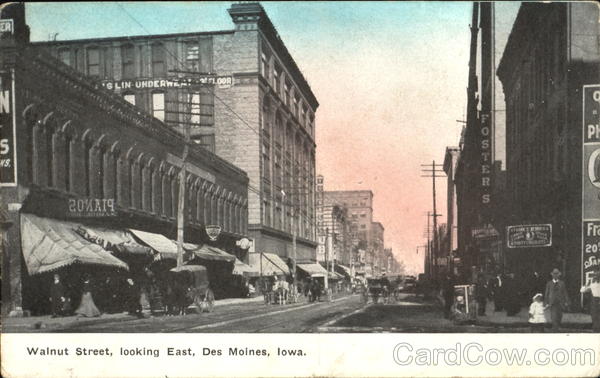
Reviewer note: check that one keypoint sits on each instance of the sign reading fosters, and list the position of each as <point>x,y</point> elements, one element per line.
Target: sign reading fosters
<point>220,81</point>
<point>530,235</point>
<point>590,240</point>
<point>486,159</point>
<point>8,158</point>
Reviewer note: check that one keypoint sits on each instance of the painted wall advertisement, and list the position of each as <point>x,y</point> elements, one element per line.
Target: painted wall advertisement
<point>591,182</point>
<point>8,171</point>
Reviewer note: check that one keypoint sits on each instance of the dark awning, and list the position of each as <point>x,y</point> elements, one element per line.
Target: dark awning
<point>208,252</point>
<point>50,244</point>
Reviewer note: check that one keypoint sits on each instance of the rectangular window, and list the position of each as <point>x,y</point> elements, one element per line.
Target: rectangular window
<point>295,106</point>
<point>93,62</point>
<point>286,93</point>
<point>127,54</point>
<point>276,77</point>
<point>158,60</point>
<point>192,56</point>
<point>158,105</point>
<point>206,141</point>
<point>264,66</point>
<point>130,98</point>
<point>64,55</point>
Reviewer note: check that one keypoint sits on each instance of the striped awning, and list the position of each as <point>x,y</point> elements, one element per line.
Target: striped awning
<point>268,264</point>
<point>50,244</point>
<point>208,252</point>
<point>313,270</point>
<point>241,269</point>
<point>160,243</point>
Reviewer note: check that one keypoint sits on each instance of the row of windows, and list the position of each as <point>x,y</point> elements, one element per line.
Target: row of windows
<point>272,71</point>
<point>100,61</point>
<point>79,165</point>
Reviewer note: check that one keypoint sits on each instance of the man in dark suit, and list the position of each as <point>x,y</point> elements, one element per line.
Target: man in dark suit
<point>57,296</point>
<point>556,298</point>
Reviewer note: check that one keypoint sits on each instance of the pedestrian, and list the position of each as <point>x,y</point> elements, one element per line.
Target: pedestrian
<point>448,294</point>
<point>537,313</point>
<point>481,294</point>
<point>510,293</point>
<point>594,288</point>
<point>134,307</point>
<point>496,286</point>
<point>556,298</point>
<point>87,307</point>
<point>57,296</point>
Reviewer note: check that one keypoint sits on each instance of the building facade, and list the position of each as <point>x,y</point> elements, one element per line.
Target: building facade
<point>377,246</point>
<point>543,71</point>
<point>241,95</point>
<point>85,156</point>
<point>359,205</point>
<point>479,238</point>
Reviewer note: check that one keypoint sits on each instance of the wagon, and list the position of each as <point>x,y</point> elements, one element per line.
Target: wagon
<point>191,286</point>
<point>375,289</point>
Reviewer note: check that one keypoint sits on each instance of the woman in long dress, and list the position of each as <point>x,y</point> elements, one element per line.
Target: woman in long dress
<point>87,307</point>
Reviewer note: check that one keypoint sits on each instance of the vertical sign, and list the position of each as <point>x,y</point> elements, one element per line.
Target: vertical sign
<point>591,182</point>
<point>8,169</point>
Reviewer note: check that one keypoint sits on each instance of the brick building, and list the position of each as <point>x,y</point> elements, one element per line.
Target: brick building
<point>260,115</point>
<point>551,54</point>
<point>85,159</point>
<point>377,246</point>
<point>333,221</point>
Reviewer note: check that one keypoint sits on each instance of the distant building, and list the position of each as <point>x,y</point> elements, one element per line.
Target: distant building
<point>377,247</point>
<point>259,115</point>
<point>552,52</point>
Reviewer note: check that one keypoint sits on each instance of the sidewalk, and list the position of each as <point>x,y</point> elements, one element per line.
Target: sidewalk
<point>499,318</point>
<point>46,322</point>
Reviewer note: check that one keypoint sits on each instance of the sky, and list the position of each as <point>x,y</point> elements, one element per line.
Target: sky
<point>390,78</point>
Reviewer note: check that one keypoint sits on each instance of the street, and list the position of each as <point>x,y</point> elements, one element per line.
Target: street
<point>344,314</point>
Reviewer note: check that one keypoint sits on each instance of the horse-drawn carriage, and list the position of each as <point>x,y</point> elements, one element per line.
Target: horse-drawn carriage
<point>189,284</point>
<point>376,288</point>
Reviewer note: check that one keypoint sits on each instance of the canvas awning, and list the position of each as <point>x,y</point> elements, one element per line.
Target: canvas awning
<point>335,276</point>
<point>345,270</point>
<point>208,252</point>
<point>161,244</point>
<point>241,269</point>
<point>114,240</point>
<point>268,264</point>
<point>50,244</point>
<point>313,270</point>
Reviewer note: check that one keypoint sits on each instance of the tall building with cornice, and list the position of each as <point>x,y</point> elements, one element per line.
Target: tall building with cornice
<point>255,110</point>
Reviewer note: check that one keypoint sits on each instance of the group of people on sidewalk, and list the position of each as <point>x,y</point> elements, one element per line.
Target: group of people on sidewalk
<point>547,300</point>
<point>110,298</point>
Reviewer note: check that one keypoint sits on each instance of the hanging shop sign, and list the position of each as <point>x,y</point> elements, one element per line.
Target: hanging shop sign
<point>530,235</point>
<point>7,26</point>
<point>485,232</point>
<point>590,196</point>
<point>213,232</point>
<point>486,159</point>
<point>8,153</point>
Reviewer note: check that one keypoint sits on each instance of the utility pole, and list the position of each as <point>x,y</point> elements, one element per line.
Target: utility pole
<point>194,82</point>
<point>433,170</point>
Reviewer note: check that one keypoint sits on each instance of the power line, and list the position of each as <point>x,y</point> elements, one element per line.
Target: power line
<point>183,65</point>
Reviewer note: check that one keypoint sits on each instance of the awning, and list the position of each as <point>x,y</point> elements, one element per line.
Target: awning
<point>161,244</point>
<point>345,270</point>
<point>208,252</point>
<point>50,244</point>
<point>271,264</point>
<point>313,270</point>
<point>242,269</point>
<point>335,276</point>
<point>114,240</point>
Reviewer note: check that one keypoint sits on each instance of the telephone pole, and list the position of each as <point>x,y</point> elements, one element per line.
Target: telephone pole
<point>433,170</point>
<point>194,80</point>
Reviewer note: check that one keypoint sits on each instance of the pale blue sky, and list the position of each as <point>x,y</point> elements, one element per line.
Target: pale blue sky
<point>390,76</point>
